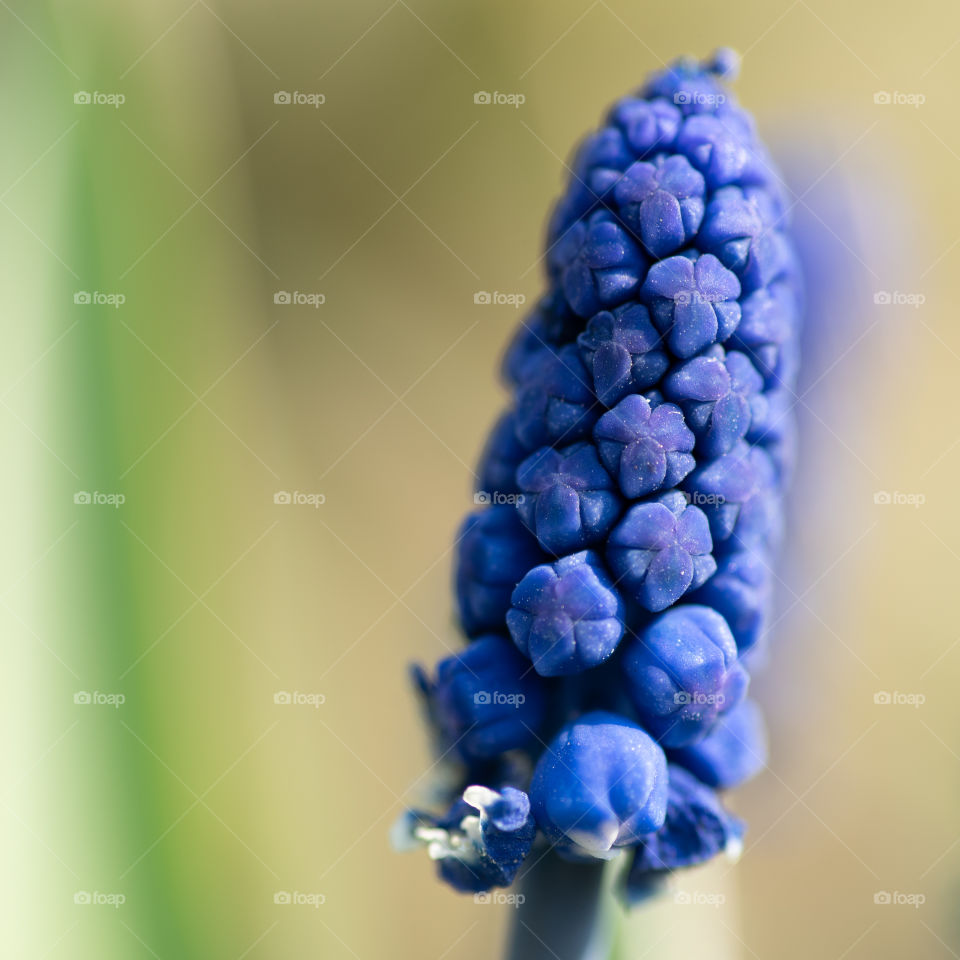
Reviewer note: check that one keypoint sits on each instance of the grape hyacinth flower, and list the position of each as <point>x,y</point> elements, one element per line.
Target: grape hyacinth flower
<point>609,597</point>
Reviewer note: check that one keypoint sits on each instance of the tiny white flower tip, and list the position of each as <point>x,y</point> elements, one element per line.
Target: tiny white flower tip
<point>599,842</point>
<point>733,849</point>
<point>480,797</point>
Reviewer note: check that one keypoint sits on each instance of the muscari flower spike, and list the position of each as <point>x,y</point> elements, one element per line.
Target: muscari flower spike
<point>598,708</point>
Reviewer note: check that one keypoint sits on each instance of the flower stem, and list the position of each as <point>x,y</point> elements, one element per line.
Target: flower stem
<point>562,915</point>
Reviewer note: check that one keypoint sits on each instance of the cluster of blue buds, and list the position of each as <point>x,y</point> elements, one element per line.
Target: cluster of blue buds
<point>615,587</point>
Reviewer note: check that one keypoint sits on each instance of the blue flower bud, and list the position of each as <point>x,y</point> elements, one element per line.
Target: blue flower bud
<point>557,404</point>
<point>693,301</point>
<point>767,328</point>
<point>682,673</point>
<point>480,843</point>
<point>721,148</point>
<point>599,263</point>
<point>737,494</point>
<point>503,453</point>
<point>598,165</point>
<point>662,202</point>
<point>566,616</point>
<point>649,126</point>
<point>718,393</point>
<point>494,551</point>
<point>697,828</point>
<point>568,498</point>
<point>646,449</point>
<point>741,227</point>
<point>600,785</point>
<point>660,550</point>
<point>733,752</point>
<point>740,592</point>
<point>485,700</point>
<point>623,352</point>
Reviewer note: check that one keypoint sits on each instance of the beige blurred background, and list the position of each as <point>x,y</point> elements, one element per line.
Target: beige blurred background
<point>397,199</point>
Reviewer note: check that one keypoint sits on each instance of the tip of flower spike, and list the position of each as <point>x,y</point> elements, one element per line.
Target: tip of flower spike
<point>724,62</point>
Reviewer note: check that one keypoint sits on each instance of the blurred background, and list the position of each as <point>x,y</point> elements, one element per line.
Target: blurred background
<point>243,386</point>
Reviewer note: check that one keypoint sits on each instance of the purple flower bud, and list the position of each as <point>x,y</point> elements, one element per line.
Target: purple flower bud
<point>601,784</point>
<point>649,126</point>
<point>599,264</point>
<point>660,550</point>
<point>645,449</point>
<point>718,393</point>
<point>733,752</point>
<point>566,616</point>
<point>494,551</point>
<point>682,673</point>
<point>480,843</point>
<point>485,700</point>
<point>740,592</point>
<point>557,405</point>
<point>693,301</point>
<point>503,453</point>
<point>568,498</point>
<point>662,202</point>
<point>697,828</point>
<point>623,351</point>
